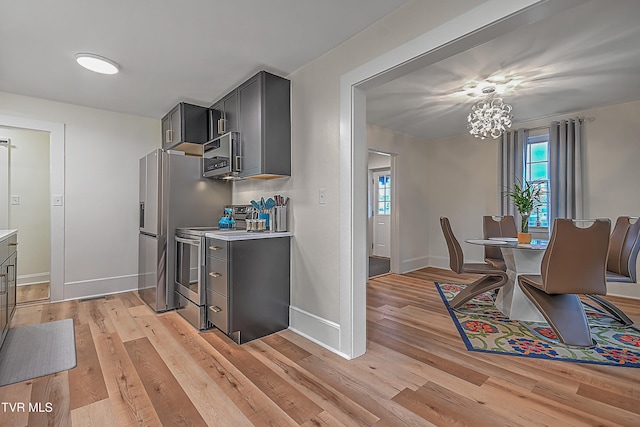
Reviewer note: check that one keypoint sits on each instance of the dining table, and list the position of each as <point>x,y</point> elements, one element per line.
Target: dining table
<point>520,258</point>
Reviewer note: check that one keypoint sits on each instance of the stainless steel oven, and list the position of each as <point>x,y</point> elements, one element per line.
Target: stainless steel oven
<point>189,275</point>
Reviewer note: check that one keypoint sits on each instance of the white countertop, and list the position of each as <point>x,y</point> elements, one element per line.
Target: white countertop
<point>6,233</point>
<point>232,235</point>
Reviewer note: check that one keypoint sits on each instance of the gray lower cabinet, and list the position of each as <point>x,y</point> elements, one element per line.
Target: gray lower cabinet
<point>8,282</point>
<point>248,286</point>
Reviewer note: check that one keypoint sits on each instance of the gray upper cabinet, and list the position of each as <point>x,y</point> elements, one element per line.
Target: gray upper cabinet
<point>224,116</point>
<point>185,123</point>
<point>264,123</point>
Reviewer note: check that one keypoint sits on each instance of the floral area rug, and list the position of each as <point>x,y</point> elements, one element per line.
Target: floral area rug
<point>484,328</point>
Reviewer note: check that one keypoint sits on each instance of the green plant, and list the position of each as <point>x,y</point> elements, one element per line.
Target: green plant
<point>526,197</point>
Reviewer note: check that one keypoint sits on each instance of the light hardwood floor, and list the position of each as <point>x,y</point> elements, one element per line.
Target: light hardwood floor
<point>139,368</point>
<point>27,294</point>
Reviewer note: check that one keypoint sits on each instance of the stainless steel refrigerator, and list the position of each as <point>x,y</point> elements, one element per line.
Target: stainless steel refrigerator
<point>173,194</point>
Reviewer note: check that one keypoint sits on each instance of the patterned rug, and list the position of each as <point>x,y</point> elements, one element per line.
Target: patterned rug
<point>484,328</point>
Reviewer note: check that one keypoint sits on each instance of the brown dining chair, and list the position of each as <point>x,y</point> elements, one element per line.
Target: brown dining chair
<point>574,263</point>
<point>624,245</point>
<point>497,227</point>
<point>491,279</point>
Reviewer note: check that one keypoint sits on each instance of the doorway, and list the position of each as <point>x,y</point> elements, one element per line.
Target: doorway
<point>56,199</point>
<point>24,203</point>
<point>380,202</point>
<point>483,23</point>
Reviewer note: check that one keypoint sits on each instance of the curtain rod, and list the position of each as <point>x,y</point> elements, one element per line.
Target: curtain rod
<point>581,119</point>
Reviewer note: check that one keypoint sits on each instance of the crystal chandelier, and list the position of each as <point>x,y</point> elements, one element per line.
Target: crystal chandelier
<point>489,117</point>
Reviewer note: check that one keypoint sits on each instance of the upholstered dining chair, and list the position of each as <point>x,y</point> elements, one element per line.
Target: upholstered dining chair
<point>624,245</point>
<point>574,263</point>
<point>493,226</point>
<point>491,279</point>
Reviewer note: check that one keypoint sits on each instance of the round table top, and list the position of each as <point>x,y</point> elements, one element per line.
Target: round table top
<point>536,244</point>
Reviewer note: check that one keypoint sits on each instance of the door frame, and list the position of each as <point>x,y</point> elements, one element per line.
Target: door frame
<point>471,28</point>
<point>56,171</point>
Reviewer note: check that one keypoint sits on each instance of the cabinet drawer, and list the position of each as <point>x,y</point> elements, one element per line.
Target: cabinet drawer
<point>4,250</point>
<point>218,310</point>
<point>217,248</point>
<point>217,275</point>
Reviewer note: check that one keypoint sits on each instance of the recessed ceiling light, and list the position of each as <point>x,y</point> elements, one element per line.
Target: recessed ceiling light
<point>97,63</point>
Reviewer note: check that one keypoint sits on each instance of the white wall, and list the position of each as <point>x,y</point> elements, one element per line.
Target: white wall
<point>102,149</point>
<point>412,184</point>
<point>315,91</point>
<point>29,180</point>
<point>463,180</point>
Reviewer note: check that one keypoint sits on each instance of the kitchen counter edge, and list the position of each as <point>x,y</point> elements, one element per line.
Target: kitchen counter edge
<point>7,233</point>
<point>231,236</point>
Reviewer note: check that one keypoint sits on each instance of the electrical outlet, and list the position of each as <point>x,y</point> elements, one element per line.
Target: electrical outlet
<point>322,199</point>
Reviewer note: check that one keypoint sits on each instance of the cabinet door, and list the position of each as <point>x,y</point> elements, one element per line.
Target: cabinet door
<point>216,113</point>
<point>230,108</point>
<point>12,277</point>
<point>175,117</point>
<point>166,132</point>
<point>4,315</point>
<point>250,126</point>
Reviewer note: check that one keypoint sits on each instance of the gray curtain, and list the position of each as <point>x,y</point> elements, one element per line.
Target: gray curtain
<point>511,165</point>
<point>565,162</point>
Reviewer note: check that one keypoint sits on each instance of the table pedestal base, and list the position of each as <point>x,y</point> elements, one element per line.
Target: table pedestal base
<point>510,300</point>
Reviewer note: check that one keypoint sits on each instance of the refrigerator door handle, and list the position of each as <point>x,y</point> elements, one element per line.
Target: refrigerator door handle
<point>141,214</point>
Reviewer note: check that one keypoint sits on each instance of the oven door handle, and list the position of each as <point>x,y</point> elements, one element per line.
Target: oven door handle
<point>193,242</point>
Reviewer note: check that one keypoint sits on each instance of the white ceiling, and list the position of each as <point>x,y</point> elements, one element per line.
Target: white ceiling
<point>586,57</point>
<point>168,50</point>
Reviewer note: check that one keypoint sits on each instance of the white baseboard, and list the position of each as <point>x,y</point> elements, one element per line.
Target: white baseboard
<point>439,262</point>
<point>99,287</point>
<point>628,290</point>
<point>32,279</point>
<point>314,328</point>
<point>413,264</point>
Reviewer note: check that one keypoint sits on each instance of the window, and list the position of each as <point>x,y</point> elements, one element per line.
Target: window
<point>537,170</point>
<point>384,194</point>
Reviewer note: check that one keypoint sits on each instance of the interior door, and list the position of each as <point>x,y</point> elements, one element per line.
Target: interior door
<point>382,213</point>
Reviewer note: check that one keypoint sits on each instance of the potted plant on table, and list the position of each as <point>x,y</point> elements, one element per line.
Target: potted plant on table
<point>526,197</point>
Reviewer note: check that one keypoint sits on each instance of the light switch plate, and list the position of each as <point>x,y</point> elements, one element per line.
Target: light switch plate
<point>322,199</point>
<point>15,200</point>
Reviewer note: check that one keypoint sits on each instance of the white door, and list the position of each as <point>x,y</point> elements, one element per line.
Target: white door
<point>382,213</point>
<point>4,183</point>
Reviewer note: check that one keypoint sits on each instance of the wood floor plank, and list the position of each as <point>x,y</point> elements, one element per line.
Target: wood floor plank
<point>248,398</point>
<point>10,397</point>
<point>129,402</point>
<point>617,400</point>
<point>86,383</point>
<point>187,372</point>
<point>190,376</point>
<point>339,406</point>
<point>339,377</point>
<point>51,395</point>
<point>123,321</point>
<point>169,399</point>
<point>416,372</point>
<point>60,311</point>
<point>129,299</point>
<point>299,407</point>
<point>27,315</point>
<point>95,414</point>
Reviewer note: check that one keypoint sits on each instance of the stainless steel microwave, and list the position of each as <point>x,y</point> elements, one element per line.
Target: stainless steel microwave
<point>222,157</point>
